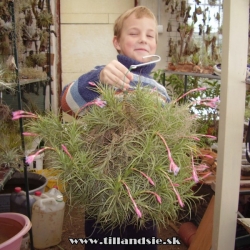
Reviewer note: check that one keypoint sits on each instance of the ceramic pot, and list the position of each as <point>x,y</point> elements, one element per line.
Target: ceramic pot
<point>187,232</point>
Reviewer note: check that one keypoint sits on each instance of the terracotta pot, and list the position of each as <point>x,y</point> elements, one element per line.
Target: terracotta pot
<point>187,232</point>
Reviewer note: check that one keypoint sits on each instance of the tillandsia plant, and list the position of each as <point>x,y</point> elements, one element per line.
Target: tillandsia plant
<point>129,158</point>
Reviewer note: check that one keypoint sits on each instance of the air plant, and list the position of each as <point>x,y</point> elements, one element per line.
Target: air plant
<point>127,159</point>
<point>44,19</point>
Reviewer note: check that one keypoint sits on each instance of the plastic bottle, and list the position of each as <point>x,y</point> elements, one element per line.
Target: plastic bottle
<point>53,192</point>
<point>47,221</point>
<point>18,201</point>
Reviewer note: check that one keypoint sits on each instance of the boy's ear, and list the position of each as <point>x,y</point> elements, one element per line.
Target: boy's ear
<point>116,43</point>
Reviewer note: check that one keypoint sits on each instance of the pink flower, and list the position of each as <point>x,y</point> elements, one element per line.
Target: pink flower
<point>92,84</point>
<point>172,166</point>
<point>31,158</point>
<point>137,210</point>
<point>176,192</point>
<point>192,137</point>
<point>206,175</point>
<point>29,134</point>
<point>201,167</point>
<point>208,156</point>
<point>158,198</point>
<point>146,176</point>
<point>190,91</point>
<point>22,114</point>
<point>66,151</point>
<point>209,102</point>
<point>195,177</point>
<point>210,137</point>
<point>100,103</point>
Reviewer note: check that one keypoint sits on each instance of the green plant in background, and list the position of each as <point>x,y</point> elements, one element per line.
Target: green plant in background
<point>10,147</point>
<point>127,160</point>
<point>207,117</point>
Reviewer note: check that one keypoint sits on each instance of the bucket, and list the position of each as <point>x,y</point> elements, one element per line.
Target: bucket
<point>13,226</point>
<point>47,221</point>
<point>36,183</point>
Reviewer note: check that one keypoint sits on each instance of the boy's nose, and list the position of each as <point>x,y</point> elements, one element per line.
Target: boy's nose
<point>143,38</point>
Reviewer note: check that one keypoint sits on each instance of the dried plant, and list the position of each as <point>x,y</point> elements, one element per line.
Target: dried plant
<point>32,73</point>
<point>44,19</point>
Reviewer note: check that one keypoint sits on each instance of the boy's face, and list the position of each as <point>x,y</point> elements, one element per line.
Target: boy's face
<point>138,38</point>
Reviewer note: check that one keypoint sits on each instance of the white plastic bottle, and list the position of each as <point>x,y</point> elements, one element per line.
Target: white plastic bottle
<point>47,221</point>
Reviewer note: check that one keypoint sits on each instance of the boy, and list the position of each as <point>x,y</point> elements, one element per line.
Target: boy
<point>135,36</point>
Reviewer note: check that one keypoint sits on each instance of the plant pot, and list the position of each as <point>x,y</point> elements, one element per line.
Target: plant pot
<point>36,182</point>
<point>13,226</point>
<point>187,232</point>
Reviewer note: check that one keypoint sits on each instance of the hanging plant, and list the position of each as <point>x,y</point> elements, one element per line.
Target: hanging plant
<point>129,159</point>
<point>36,60</point>
<point>44,19</point>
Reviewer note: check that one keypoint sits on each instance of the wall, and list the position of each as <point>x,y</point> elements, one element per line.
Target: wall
<point>87,33</point>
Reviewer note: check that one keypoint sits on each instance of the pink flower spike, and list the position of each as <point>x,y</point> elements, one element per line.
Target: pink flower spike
<point>92,84</point>
<point>210,137</point>
<point>180,200</point>
<point>23,116</point>
<point>208,156</point>
<point>188,179</point>
<point>176,192</point>
<point>206,175</point>
<point>29,134</point>
<point>97,102</point>
<point>193,137</point>
<point>30,158</point>
<point>158,198</point>
<point>195,177</point>
<point>190,91</point>
<point>100,102</point>
<point>146,176</point>
<point>21,112</point>
<point>172,166</point>
<point>66,151</point>
<point>137,210</point>
<point>18,112</point>
<point>201,167</point>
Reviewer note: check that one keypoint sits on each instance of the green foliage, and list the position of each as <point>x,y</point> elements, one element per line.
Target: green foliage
<point>10,147</point>
<point>207,116</point>
<point>110,147</point>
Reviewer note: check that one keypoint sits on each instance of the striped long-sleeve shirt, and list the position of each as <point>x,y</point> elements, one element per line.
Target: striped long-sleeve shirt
<point>79,92</point>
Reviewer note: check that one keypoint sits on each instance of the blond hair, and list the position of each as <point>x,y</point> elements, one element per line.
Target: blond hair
<point>140,12</point>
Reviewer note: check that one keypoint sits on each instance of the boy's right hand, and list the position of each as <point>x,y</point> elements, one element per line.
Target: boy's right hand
<point>116,74</point>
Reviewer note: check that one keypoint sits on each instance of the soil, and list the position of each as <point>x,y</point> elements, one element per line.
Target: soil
<point>73,227</point>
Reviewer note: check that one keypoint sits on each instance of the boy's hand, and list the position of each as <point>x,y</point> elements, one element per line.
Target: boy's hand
<point>116,74</point>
